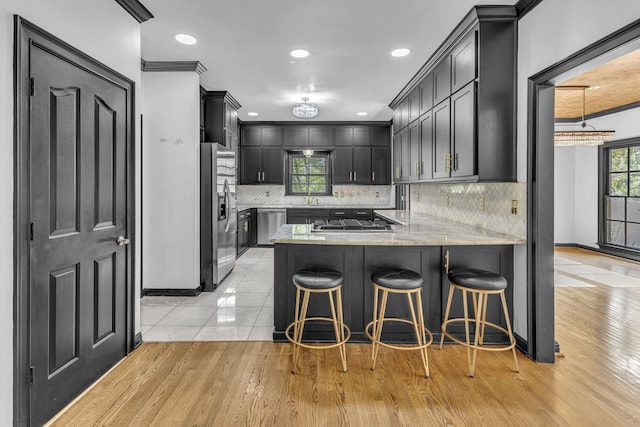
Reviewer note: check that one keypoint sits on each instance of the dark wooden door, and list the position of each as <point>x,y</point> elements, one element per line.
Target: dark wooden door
<point>441,140</point>
<point>78,203</point>
<point>463,135</point>
<point>272,165</point>
<point>380,165</point>
<point>362,165</point>
<point>426,146</point>
<point>250,165</point>
<point>414,151</point>
<point>342,162</point>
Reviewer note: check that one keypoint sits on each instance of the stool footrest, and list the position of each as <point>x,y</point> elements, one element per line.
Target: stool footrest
<point>491,347</point>
<point>322,346</point>
<point>406,347</point>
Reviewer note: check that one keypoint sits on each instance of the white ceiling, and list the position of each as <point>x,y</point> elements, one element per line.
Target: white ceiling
<point>245,45</point>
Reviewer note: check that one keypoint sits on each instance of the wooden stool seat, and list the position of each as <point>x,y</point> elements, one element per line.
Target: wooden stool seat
<point>318,280</point>
<point>399,281</point>
<point>480,284</point>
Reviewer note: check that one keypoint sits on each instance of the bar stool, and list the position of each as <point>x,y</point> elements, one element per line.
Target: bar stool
<point>318,280</point>
<point>398,281</point>
<point>480,284</point>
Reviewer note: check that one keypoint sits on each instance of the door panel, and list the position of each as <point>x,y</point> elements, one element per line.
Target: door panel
<point>441,140</point>
<point>78,205</point>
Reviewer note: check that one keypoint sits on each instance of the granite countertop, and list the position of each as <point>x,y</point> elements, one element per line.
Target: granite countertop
<point>414,229</point>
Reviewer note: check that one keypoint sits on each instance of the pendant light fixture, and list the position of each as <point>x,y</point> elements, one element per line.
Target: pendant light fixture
<point>305,110</point>
<point>585,136</point>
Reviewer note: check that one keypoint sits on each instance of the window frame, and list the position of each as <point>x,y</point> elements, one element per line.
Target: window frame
<point>603,193</point>
<point>328,173</point>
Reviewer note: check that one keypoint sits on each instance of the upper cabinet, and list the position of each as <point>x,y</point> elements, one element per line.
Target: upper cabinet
<point>261,155</point>
<point>219,118</point>
<point>466,95</point>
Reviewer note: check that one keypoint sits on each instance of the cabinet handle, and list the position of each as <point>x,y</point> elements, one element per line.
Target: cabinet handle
<point>350,176</point>
<point>447,162</point>
<point>446,262</point>
<point>262,176</point>
<point>355,176</point>
<point>246,226</point>
<point>455,163</point>
<point>258,176</point>
<point>373,177</point>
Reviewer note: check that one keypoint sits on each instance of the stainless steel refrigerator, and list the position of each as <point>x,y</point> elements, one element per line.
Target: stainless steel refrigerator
<point>218,214</point>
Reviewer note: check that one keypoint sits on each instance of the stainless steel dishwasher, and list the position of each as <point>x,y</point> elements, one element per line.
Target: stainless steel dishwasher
<point>269,221</point>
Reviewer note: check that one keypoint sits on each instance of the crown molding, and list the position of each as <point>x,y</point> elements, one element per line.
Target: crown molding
<point>136,9</point>
<point>150,66</point>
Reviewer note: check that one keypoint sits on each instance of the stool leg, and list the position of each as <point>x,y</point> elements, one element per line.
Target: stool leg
<point>479,315</point>
<point>336,330</point>
<point>466,329</point>
<point>343,347</point>
<point>383,307</point>
<point>512,340</point>
<point>484,319</point>
<point>374,327</point>
<point>296,318</point>
<point>419,328</point>
<point>303,316</point>
<point>446,315</point>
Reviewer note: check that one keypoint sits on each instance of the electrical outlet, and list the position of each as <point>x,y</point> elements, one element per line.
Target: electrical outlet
<point>482,203</point>
<point>446,200</point>
<point>377,194</point>
<point>514,207</point>
<point>268,193</point>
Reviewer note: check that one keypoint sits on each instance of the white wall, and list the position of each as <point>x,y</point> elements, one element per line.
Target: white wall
<point>576,181</point>
<point>551,32</point>
<point>171,193</point>
<point>101,29</point>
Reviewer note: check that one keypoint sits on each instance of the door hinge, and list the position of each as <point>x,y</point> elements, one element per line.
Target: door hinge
<point>32,371</point>
<point>31,231</point>
<point>32,86</point>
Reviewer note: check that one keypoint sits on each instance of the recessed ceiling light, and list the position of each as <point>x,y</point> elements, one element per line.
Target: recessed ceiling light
<point>403,51</point>
<point>252,113</point>
<point>299,53</point>
<point>186,39</point>
<point>362,113</point>
<point>595,87</point>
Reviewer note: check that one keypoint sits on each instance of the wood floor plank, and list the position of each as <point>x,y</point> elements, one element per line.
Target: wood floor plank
<point>596,382</point>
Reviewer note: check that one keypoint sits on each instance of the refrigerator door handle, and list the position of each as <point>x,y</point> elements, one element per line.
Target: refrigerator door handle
<point>227,203</point>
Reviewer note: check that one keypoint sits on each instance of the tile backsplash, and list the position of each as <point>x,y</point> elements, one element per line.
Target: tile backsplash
<point>343,195</point>
<point>486,205</point>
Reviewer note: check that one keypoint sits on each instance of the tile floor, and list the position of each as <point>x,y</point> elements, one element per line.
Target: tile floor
<point>241,309</point>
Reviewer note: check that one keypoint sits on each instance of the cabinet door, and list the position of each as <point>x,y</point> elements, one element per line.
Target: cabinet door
<point>251,136</point>
<point>426,146</point>
<point>405,158</point>
<point>361,165</point>
<point>463,141</point>
<point>296,137</point>
<point>250,165</point>
<point>272,165</point>
<point>441,140</point>
<point>321,137</point>
<point>463,62</point>
<point>414,151</point>
<point>362,136</point>
<point>272,136</point>
<point>404,113</point>
<point>442,80</point>
<point>380,165</point>
<point>342,162</point>
<point>397,157</point>
<point>426,94</point>
<point>344,136</point>
<point>396,120</point>
<point>414,104</point>
<point>380,136</point>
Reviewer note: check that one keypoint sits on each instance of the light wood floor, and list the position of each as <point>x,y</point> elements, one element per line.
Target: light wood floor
<point>596,383</point>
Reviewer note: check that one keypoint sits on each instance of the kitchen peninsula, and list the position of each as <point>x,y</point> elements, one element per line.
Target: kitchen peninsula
<point>425,244</point>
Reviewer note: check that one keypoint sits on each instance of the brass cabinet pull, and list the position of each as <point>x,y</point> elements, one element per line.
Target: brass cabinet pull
<point>262,176</point>
<point>446,262</point>
<point>246,226</point>
<point>258,176</point>
<point>350,176</point>
<point>355,176</point>
<point>373,177</point>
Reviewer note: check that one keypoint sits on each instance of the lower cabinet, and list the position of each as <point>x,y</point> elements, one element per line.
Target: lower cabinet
<point>358,262</point>
<point>306,216</point>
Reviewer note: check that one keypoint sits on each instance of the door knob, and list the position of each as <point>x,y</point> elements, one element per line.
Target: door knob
<point>121,240</point>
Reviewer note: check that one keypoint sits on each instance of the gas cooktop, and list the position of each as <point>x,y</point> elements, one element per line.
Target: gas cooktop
<point>350,225</point>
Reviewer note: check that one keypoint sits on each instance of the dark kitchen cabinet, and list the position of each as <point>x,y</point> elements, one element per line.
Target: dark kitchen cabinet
<point>413,134</point>
<point>306,215</point>
<point>245,231</point>
<point>468,92</point>
<point>321,137</point>
<point>295,136</point>
<point>463,139</point>
<point>362,136</point>
<point>220,118</point>
<point>380,165</point>
<point>343,165</point>
<point>352,165</point>
<point>344,136</point>
<point>401,159</point>
<point>361,165</point>
<point>441,140</point>
<point>261,155</point>
<point>414,105</point>
<point>463,62</point>
<point>442,80</point>
<point>380,136</point>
